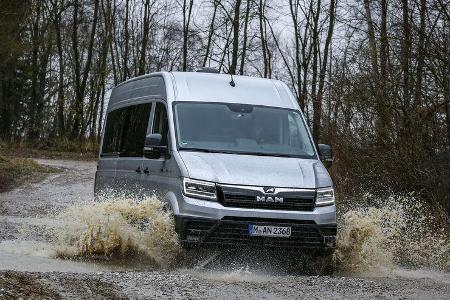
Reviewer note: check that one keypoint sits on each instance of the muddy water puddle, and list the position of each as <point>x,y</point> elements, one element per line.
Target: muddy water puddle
<point>54,226</point>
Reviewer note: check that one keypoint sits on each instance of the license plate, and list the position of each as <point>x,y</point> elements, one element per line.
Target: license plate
<point>275,231</point>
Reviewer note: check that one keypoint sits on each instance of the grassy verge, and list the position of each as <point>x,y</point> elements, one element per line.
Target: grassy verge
<point>55,149</point>
<point>15,171</point>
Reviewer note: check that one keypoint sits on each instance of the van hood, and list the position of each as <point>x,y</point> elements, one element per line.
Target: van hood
<point>256,170</point>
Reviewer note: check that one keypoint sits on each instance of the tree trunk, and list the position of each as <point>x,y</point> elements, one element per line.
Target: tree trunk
<point>294,16</point>
<point>81,82</point>
<point>383,117</point>
<point>447,111</point>
<point>372,42</point>
<point>146,28</point>
<point>225,50</point>
<point>127,42</point>
<point>113,63</point>
<point>244,41</point>
<point>383,48</point>
<point>186,23</point>
<point>405,53</point>
<point>61,100</point>
<point>34,128</point>
<point>100,116</point>
<point>210,33</point>
<point>262,4</point>
<point>318,103</point>
<point>315,71</point>
<point>421,52</point>
<point>78,109</point>
<point>234,52</point>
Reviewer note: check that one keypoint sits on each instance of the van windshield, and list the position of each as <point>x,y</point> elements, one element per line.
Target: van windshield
<point>242,129</point>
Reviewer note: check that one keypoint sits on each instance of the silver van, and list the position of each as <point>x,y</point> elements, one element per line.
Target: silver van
<point>231,156</point>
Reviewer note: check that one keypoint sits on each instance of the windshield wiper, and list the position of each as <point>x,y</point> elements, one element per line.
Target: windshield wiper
<point>235,152</point>
<point>263,154</point>
<point>203,150</point>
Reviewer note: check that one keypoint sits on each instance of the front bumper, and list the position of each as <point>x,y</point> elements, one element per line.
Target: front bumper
<point>233,231</point>
<point>187,206</point>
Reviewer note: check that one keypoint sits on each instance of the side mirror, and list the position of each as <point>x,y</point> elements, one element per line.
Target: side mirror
<point>326,155</point>
<point>153,148</point>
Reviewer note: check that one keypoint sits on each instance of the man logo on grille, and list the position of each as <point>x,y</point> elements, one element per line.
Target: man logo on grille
<point>269,190</point>
<point>269,199</point>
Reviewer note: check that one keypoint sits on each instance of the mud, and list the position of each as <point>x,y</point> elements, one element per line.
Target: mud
<point>31,265</point>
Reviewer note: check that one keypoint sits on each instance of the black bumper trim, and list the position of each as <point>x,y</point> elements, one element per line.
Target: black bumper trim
<point>233,231</point>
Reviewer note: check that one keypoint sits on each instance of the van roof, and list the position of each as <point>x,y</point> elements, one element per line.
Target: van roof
<point>203,87</point>
<point>207,87</point>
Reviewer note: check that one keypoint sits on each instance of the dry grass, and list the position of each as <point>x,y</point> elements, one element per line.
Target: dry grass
<point>15,171</point>
<point>52,149</point>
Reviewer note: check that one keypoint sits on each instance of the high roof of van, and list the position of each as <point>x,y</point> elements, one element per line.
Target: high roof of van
<point>207,87</point>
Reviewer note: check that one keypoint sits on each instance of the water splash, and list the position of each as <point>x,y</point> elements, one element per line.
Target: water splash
<point>378,234</point>
<point>375,234</point>
<point>118,227</point>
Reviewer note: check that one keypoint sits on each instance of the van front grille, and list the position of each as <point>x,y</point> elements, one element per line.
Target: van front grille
<point>254,197</point>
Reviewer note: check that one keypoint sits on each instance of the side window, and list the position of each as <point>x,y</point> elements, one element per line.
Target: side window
<point>160,122</point>
<point>134,130</point>
<point>113,131</point>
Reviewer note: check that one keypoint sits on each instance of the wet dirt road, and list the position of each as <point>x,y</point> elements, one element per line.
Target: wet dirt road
<point>28,266</point>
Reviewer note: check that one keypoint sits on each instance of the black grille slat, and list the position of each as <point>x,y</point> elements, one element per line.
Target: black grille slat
<point>231,197</point>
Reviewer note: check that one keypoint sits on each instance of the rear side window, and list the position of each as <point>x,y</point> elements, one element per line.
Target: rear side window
<point>113,131</point>
<point>135,130</point>
<point>126,129</point>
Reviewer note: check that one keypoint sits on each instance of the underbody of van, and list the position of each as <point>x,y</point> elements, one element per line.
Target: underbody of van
<point>231,156</point>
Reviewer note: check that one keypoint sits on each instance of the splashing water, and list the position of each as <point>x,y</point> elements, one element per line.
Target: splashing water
<point>116,227</point>
<point>392,231</point>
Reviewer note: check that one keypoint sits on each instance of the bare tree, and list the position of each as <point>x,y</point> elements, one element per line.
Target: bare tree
<point>187,13</point>
<point>211,32</point>
<point>245,38</point>
<point>145,32</point>
<point>236,20</point>
<point>323,69</point>
<point>126,46</point>
<point>81,74</point>
<point>262,7</point>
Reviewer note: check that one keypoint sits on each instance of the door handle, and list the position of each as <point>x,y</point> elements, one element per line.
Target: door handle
<point>138,170</point>
<point>146,171</point>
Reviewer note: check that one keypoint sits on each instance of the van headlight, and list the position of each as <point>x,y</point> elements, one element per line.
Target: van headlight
<point>325,197</point>
<point>199,189</point>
